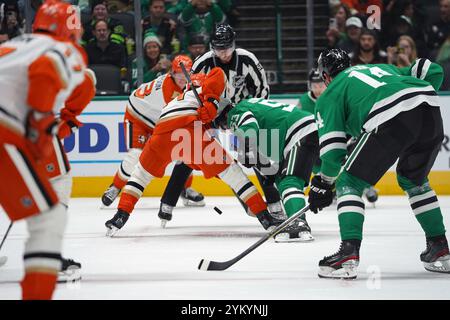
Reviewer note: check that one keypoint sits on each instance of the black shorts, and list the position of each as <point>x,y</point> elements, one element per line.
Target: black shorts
<point>413,137</point>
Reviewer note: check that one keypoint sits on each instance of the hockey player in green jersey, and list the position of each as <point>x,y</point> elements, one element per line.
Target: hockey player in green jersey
<point>316,86</point>
<point>281,141</point>
<point>395,114</point>
<point>307,102</point>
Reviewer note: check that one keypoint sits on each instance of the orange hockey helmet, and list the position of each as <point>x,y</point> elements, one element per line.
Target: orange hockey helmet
<point>60,19</point>
<point>181,58</point>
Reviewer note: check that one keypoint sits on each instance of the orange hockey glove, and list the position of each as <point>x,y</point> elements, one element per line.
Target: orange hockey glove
<point>41,128</point>
<point>208,111</point>
<point>69,123</point>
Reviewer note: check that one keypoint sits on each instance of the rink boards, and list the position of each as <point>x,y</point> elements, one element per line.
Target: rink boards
<point>96,150</point>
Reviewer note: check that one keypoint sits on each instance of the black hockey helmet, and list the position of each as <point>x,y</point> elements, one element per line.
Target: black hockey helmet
<point>332,61</point>
<point>314,76</point>
<point>223,37</point>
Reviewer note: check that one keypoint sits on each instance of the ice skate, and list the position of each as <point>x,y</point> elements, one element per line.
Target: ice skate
<point>70,271</point>
<point>436,257</point>
<point>342,264</point>
<point>192,198</point>
<point>268,221</point>
<point>298,231</point>
<point>110,195</point>
<point>116,223</point>
<point>165,214</point>
<point>371,195</point>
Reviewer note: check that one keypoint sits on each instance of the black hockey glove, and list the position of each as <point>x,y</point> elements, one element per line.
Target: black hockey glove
<point>320,194</point>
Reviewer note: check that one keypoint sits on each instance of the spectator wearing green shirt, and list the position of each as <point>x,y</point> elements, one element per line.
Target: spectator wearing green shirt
<point>199,17</point>
<point>155,63</point>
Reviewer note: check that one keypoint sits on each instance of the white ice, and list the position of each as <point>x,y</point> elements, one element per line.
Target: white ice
<point>144,261</point>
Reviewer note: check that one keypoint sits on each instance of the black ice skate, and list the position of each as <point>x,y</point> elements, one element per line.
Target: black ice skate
<point>192,198</point>
<point>436,257</point>
<point>371,195</point>
<point>116,223</point>
<point>342,264</point>
<point>165,214</point>
<point>70,271</point>
<point>110,195</point>
<point>268,221</point>
<point>298,231</point>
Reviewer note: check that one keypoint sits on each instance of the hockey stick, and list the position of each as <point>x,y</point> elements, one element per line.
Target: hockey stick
<point>188,78</point>
<point>208,265</point>
<point>3,259</point>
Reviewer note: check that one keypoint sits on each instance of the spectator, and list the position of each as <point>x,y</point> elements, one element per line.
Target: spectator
<point>359,7</point>
<point>353,32</point>
<point>155,63</point>
<point>439,30</point>
<point>336,29</point>
<point>199,17</point>
<point>404,54</point>
<point>120,6</point>
<point>443,56</point>
<point>158,23</point>
<point>101,50</point>
<point>402,18</point>
<point>100,12</point>
<point>197,46</point>
<point>10,19</point>
<point>368,50</point>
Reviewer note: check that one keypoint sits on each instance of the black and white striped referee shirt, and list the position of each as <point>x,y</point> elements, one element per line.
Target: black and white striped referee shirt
<point>246,76</point>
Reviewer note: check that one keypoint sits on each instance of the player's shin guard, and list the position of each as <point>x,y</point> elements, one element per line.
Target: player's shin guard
<point>291,189</point>
<point>126,168</point>
<point>425,206</point>
<point>42,258</point>
<point>350,205</point>
<point>134,188</point>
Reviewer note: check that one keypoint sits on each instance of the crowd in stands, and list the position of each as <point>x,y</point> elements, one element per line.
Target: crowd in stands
<point>392,31</point>
<point>169,27</point>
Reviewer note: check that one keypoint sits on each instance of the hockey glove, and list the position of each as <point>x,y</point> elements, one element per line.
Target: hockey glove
<point>208,111</point>
<point>41,128</point>
<point>320,194</point>
<point>68,125</point>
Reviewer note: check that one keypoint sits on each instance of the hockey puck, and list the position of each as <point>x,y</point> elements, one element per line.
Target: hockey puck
<point>218,210</point>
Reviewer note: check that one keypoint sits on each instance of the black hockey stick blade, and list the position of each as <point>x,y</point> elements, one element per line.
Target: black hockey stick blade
<point>208,265</point>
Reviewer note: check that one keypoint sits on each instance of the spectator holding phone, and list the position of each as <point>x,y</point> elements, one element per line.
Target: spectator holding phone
<point>336,28</point>
<point>404,53</point>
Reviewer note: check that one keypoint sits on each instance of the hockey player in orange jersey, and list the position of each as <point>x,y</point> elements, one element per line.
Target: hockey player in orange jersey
<point>142,112</point>
<point>181,133</point>
<point>39,72</point>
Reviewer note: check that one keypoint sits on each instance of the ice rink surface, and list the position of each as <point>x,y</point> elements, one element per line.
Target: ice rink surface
<point>144,261</point>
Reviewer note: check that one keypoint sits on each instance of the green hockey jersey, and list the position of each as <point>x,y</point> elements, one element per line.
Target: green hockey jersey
<point>307,102</point>
<point>362,97</point>
<point>277,127</point>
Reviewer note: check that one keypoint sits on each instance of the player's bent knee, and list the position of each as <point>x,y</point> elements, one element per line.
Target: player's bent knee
<point>411,188</point>
<point>349,184</point>
<point>130,160</point>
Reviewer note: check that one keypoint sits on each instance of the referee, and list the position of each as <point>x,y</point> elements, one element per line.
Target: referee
<point>246,78</point>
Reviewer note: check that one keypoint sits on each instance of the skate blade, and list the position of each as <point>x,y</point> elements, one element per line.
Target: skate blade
<point>347,272</point>
<point>3,260</point>
<point>190,203</point>
<point>441,265</point>
<point>111,231</point>
<point>163,223</point>
<point>72,274</point>
<point>303,237</point>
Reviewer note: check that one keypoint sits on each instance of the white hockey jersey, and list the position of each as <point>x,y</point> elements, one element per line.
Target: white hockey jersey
<point>16,57</point>
<point>146,102</point>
